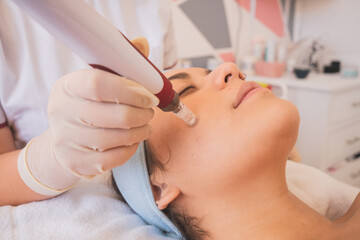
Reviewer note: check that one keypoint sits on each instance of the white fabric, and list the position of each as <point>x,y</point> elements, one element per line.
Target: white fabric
<point>31,60</point>
<point>92,210</point>
<point>323,193</point>
<point>2,115</point>
<point>88,211</point>
<point>2,70</point>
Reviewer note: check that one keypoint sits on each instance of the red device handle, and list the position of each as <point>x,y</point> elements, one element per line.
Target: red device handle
<point>165,96</point>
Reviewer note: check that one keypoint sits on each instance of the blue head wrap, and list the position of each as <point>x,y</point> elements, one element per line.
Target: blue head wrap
<point>133,181</point>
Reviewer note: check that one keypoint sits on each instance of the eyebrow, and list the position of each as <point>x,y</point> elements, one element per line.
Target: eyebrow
<point>180,75</point>
<point>184,75</point>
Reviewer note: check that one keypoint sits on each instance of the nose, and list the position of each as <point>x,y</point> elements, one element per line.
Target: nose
<point>225,73</point>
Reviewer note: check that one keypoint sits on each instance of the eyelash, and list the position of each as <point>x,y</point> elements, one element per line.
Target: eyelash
<point>185,90</point>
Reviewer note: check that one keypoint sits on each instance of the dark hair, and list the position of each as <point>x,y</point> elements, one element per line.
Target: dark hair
<point>188,225</point>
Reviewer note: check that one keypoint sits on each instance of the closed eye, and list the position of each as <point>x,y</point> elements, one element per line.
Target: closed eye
<point>186,90</point>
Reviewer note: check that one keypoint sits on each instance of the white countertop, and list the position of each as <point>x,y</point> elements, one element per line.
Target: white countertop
<point>322,82</point>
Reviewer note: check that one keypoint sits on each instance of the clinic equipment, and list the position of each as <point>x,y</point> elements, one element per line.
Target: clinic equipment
<point>103,46</point>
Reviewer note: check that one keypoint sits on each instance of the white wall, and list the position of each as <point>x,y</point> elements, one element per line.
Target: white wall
<point>336,23</point>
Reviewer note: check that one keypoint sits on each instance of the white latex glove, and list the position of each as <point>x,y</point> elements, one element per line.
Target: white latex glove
<point>96,122</point>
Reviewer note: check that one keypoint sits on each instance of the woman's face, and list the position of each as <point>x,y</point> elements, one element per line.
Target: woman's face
<point>238,134</point>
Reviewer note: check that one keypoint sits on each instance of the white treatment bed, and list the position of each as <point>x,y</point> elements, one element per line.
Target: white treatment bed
<point>92,209</point>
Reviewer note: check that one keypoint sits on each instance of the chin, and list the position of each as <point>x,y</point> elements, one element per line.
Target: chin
<point>289,114</point>
<point>277,123</point>
<point>286,119</point>
<point>274,110</point>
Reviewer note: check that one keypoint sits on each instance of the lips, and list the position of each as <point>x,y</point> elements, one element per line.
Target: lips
<point>246,90</point>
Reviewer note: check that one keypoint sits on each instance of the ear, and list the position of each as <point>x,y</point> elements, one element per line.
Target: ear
<point>163,193</point>
<point>142,45</point>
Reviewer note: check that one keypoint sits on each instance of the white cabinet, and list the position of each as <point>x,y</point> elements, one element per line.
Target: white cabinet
<point>329,134</point>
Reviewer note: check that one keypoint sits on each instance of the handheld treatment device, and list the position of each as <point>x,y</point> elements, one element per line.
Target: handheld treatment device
<point>103,46</point>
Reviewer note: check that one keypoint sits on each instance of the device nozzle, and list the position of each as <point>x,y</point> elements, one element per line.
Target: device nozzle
<point>181,111</point>
<point>185,114</point>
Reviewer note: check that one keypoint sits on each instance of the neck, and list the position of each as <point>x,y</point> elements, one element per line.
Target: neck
<point>270,212</point>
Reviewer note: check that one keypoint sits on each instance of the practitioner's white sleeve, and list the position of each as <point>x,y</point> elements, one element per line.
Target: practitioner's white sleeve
<point>2,79</point>
<point>326,195</point>
<point>2,117</point>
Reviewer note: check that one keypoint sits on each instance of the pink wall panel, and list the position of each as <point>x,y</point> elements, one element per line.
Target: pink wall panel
<point>269,13</point>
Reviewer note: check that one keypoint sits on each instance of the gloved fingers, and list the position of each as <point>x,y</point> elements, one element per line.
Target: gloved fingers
<point>100,139</point>
<point>95,162</point>
<point>97,114</point>
<point>102,86</point>
<point>113,116</point>
<point>142,45</point>
<point>120,154</point>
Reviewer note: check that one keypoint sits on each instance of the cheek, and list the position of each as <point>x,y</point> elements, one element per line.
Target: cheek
<point>271,130</point>
<point>164,127</point>
<point>187,148</point>
<point>171,136</point>
<point>168,129</point>
<point>226,144</point>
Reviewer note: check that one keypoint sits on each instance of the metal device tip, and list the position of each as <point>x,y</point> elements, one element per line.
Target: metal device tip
<point>186,115</point>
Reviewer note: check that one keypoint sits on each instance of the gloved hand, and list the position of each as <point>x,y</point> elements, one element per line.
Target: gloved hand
<point>96,121</point>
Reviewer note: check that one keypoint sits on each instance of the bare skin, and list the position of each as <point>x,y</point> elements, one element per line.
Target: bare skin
<point>229,170</point>
<point>13,189</point>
